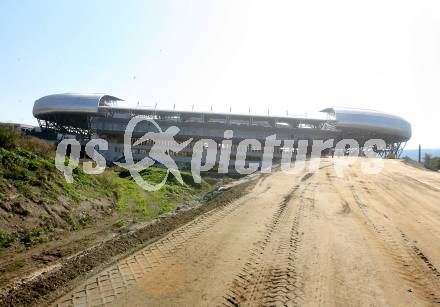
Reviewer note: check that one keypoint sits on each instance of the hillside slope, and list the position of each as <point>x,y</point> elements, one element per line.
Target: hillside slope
<point>43,218</point>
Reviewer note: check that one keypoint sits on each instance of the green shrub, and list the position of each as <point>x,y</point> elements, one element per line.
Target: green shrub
<point>6,240</point>
<point>86,221</point>
<point>32,237</point>
<point>432,163</point>
<point>121,224</point>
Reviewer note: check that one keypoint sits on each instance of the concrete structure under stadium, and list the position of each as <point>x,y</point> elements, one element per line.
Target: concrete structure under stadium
<point>98,115</point>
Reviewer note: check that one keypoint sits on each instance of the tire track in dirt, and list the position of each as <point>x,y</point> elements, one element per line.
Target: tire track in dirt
<point>406,258</point>
<point>117,279</point>
<point>283,284</point>
<point>387,188</point>
<point>269,277</point>
<point>417,183</point>
<point>420,254</point>
<point>414,213</point>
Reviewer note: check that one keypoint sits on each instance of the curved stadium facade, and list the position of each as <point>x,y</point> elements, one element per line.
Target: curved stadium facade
<point>100,115</point>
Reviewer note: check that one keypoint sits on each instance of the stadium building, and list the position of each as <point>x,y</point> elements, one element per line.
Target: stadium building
<point>86,116</point>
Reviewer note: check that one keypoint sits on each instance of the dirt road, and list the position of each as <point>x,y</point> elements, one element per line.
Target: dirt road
<point>312,239</point>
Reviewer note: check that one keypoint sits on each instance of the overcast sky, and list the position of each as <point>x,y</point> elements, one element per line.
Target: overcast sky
<point>295,56</point>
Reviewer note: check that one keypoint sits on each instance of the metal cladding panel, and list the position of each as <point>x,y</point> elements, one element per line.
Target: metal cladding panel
<point>372,121</point>
<point>67,103</point>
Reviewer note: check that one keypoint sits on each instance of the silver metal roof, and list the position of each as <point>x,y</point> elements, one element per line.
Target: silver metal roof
<point>371,120</point>
<point>78,106</point>
<point>69,107</point>
<point>71,103</point>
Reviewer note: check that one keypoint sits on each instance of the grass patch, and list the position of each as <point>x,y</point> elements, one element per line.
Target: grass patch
<point>24,170</point>
<point>133,199</point>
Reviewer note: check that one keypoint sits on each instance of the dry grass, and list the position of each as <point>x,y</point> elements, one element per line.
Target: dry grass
<point>12,138</point>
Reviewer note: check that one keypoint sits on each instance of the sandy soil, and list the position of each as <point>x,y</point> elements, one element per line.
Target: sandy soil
<point>312,239</point>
